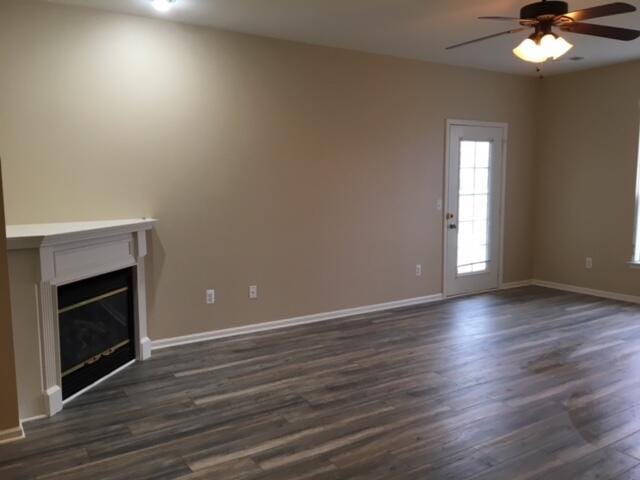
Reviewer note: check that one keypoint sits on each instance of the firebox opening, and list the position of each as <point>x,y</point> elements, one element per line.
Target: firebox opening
<point>96,323</point>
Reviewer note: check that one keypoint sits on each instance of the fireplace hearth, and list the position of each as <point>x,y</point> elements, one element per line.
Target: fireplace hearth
<point>96,328</point>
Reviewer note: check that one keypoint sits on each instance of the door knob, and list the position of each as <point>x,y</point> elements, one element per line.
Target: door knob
<point>452,226</point>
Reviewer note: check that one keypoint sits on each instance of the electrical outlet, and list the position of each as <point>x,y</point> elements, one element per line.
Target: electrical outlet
<point>253,292</point>
<point>418,270</point>
<point>588,263</point>
<point>211,297</point>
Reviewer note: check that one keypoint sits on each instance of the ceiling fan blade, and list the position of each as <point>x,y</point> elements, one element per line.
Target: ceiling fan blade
<point>521,21</point>
<point>601,11</point>
<point>615,33</point>
<point>516,19</point>
<point>481,39</point>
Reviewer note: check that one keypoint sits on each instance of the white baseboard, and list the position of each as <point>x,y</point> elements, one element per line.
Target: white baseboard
<point>34,418</point>
<point>290,322</point>
<point>349,312</point>
<point>145,349</point>
<point>11,434</point>
<point>520,284</point>
<point>587,291</point>
<point>53,400</point>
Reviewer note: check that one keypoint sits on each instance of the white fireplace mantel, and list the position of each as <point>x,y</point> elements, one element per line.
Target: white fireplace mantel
<point>65,253</point>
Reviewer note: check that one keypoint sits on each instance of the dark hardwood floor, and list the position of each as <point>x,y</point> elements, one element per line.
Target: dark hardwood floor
<point>523,384</point>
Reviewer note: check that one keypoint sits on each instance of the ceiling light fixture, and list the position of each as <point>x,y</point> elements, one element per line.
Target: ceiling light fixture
<point>546,16</point>
<point>162,5</point>
<point>539,49</point>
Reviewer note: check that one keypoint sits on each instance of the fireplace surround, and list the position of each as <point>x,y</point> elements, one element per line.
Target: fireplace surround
<point>48,265</point>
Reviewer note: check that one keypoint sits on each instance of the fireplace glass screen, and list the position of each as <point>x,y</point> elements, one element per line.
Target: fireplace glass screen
<point>96,328</point>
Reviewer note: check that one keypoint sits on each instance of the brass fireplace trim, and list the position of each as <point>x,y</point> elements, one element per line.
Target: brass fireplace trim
<point>95,358</point>
<point>92,300</point>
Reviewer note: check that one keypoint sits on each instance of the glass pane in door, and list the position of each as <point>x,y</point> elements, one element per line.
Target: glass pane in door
<point>473,207</point>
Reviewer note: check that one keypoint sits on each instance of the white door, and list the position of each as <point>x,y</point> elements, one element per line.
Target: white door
<point>474,201</point>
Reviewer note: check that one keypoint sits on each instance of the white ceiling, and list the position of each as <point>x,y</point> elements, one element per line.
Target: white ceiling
<point>418,29</point>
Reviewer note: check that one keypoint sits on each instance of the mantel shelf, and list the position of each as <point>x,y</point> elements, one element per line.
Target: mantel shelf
<point>45,234</point>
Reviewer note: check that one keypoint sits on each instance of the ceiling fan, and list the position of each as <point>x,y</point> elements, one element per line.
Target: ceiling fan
<point>544,16</point>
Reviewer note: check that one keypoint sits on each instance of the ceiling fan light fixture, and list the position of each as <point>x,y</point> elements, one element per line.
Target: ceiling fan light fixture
<point>530,51</point>
<point>549,46</point>
<point>543,16</point>
<point>561,48</point>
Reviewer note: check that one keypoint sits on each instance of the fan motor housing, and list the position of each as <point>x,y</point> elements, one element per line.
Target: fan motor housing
<point>540,9</point>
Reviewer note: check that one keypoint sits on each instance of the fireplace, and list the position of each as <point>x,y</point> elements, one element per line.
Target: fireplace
<point>88,315</point>
<point>96,328</point>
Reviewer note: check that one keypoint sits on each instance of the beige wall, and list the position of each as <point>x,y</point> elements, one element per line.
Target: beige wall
<point>8,392</point>
<point>311,172</point>
<point>586,173</point>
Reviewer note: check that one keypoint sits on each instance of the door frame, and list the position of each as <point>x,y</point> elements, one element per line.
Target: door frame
<point>505,141</point>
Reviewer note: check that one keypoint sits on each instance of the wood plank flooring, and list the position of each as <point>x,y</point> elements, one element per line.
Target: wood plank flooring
<point>523,384</point>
